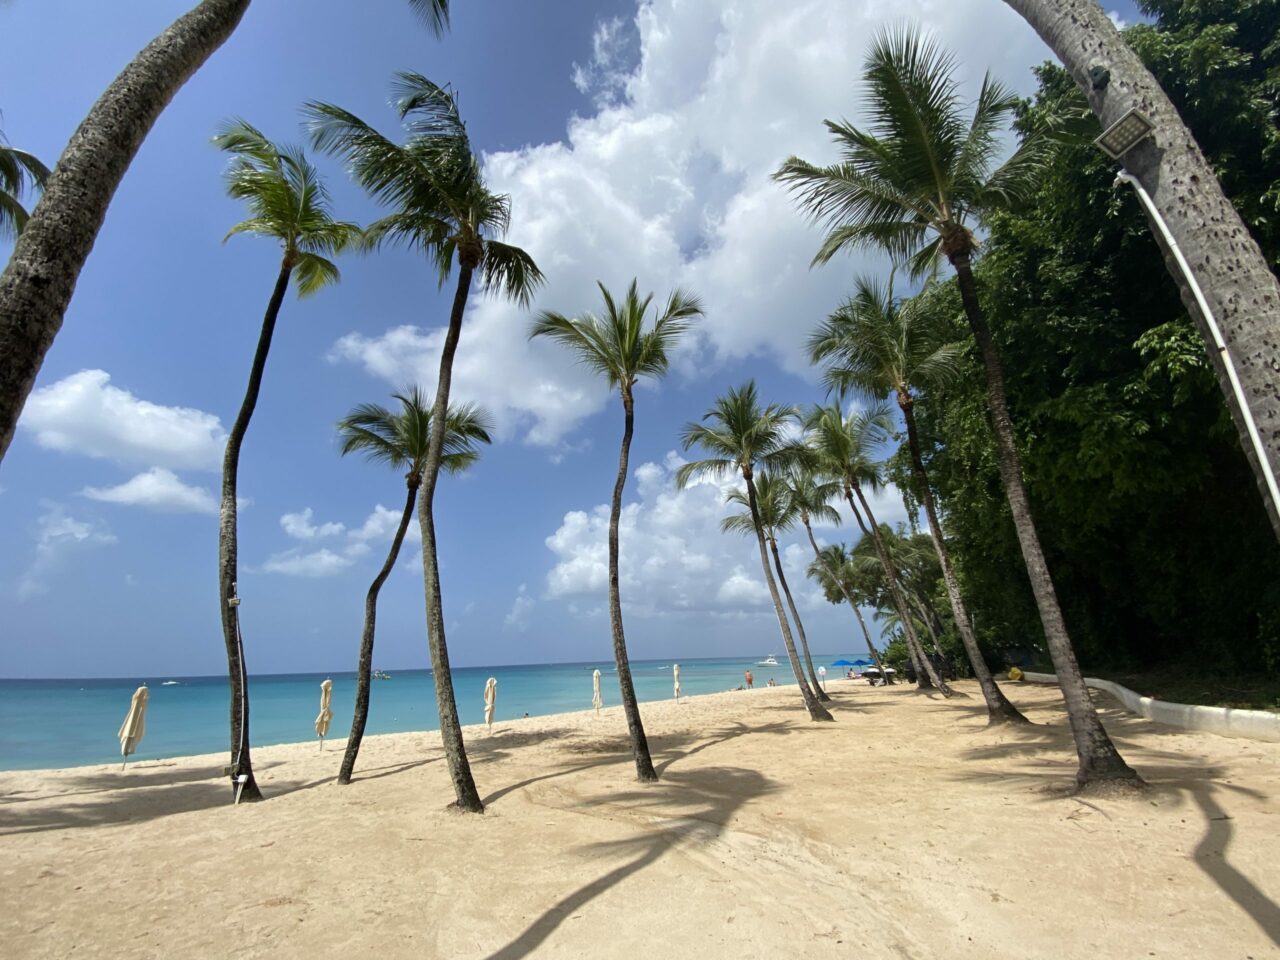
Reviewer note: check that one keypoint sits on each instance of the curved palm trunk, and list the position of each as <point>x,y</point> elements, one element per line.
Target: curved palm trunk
<point>1099,758</point>
<point>37,284</point>
<point>871,647</point>
<point>795,615</point>
<point>1238,283</point>
<point>999,709</point>
<point>364,669</point>
<point>630,707</point>
<point>228,548</point>
<point>464,785</point>
<point>816,710</point>
<point>924,666</point>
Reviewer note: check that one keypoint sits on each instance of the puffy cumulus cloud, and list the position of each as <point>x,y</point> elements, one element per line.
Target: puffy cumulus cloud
<point>156,489</point>
<point>58,535</point>
<point>85,414</point>
<point>668,181</point>
<point>518,616</point>
<point>376,531</point>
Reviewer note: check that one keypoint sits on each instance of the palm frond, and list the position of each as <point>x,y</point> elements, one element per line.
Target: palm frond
<point>434,14</point>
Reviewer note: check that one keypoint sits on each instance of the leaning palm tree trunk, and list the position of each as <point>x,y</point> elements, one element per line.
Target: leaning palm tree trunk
<point>630,707</point>
<point>228,547</point>
<point>924,666</point>
<point>795,615</point>
<point>866,634</point>
<point>999,709</point>
<point>464,785</point>
<point>1099,759</point>
<point>816,710</point>
<point>1238,283</point>
<point>37,284</point>
<point>364,669</point>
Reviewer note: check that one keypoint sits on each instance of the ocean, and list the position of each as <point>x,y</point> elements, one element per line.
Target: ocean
<point>66,723</point>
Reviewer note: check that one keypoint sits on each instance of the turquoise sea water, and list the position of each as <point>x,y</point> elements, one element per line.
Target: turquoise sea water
<point>64,723</point>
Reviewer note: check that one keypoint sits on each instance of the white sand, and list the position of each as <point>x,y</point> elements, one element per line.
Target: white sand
<point>906,829</point>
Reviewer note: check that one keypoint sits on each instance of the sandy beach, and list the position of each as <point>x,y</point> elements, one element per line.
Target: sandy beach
<point>905,829</point>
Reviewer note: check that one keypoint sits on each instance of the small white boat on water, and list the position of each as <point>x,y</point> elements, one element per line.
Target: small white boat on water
<point>170,683</point>
<point>769,661</point>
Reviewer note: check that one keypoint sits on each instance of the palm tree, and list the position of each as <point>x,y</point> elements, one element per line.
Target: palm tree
<point>912,185</point>
<point>20,172</point>
<point>442,208</point>
<point>401,441</point>
<point>741,436</point>
<point>830,568</point>
<point>38,281</point>
<point>778,513</point>
<point>617,346</point>
<point>876,346</point>
<point>289,204</point>
<point>1219,250</point>
<point>843,448</point>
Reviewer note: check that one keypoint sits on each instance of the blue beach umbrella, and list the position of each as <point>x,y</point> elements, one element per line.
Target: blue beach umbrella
<point>862,662</point>
<point>843,663</point>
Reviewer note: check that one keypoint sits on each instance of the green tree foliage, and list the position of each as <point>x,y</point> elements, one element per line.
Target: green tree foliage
<point>1158,541</point>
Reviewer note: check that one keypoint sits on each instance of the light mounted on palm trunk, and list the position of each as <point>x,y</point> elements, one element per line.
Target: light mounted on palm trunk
<point>1125,134</point>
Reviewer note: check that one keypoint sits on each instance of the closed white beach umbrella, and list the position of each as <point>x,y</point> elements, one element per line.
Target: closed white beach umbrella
<point>675,669</point>
<point>135,724</point>
<point>596,700</point>
<point>325,716</point>
<point>490,698</point>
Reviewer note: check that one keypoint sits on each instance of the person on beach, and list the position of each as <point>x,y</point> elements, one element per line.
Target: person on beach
<point>750,679</point>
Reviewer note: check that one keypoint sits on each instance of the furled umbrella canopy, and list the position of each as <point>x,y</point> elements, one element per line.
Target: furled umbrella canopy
<point>596,700</point>
<point>325,717</point>
<point>675,670</point>
<point>490,698</point>
<point>135,724</point>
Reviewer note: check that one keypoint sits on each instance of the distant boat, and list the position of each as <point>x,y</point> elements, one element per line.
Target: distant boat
<point>769,661</point>
<point>169,683</point>
<point>381,675</point>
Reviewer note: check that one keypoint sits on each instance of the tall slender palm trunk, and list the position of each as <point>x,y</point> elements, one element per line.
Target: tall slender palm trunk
<point>924,666</point>
<point>871,647</point>
<point>41,275</point>
<point>464,785</point>
<point>364,669</point>
<point>630,706</point>
<point>999,709</point>
<point>816,710</point>
<point>228,547</point>
<point>1099,758</point>
<point>1239,284</point>
<point>795,616</point>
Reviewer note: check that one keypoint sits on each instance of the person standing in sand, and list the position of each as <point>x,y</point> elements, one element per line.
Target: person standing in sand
<point>750,679</point>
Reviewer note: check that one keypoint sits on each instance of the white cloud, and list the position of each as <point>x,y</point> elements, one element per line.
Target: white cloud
<point>669,182</point>
<point>83,413</point>
<point>57,536</point>
<point>300,527</point>
<point>1118,20</point>
<point>317,563</point>
<point>156,489</point>
<point>518,616</point>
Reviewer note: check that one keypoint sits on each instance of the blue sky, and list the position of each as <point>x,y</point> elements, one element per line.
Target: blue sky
<point>634,139</point>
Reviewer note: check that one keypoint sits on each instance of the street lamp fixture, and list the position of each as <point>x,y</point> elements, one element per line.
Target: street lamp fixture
<point>1125,134</point>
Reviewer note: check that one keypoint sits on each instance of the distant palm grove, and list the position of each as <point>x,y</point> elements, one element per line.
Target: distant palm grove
<point>1028,376</point>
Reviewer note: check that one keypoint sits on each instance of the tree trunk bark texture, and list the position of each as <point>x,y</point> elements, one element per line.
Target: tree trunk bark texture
<point>795,615</point>
<point>630,706</point>
<point>40,278</point>
<point>816,710</point>
<point>1238,283</point>
<point>1099,758</point>
<point>999,709</point>
<point>228,547</point>
<point>464,785</point>
<point>364,669</point>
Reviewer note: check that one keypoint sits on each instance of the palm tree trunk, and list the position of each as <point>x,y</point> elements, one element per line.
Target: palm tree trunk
<point>816,710</point>
<point>37,284</point>
<point>795,615</point>
<point>464,785</point>
<point>1238,283</point>
<point>999,709</point>
<point>364,669</point>
<point>924,666</point>
<point>630,707</point>
<point>228,547</point>
<point>1099,758</point>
